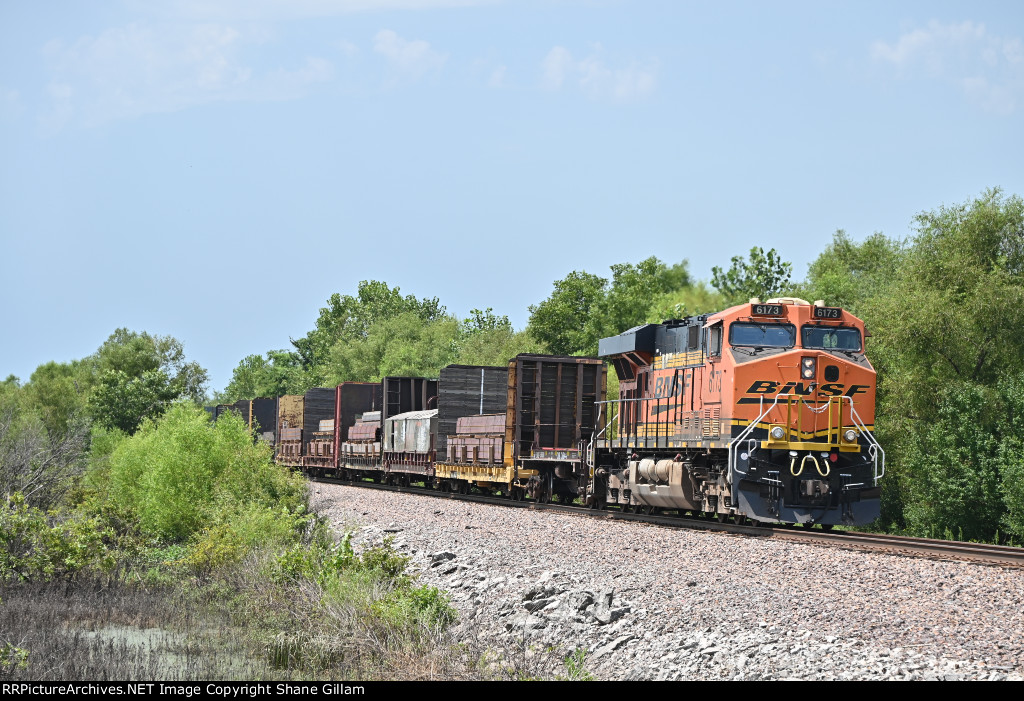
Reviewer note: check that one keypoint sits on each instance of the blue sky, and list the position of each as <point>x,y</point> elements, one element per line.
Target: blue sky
<point>215,170</point>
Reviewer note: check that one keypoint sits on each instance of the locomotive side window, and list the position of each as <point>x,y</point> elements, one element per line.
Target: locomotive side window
<point>762,335</point>
<point>831,338</point>
<point>715,341</point>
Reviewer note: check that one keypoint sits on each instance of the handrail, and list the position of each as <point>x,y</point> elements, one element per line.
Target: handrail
<point>875,450</point>
<point>874,447</point>
<point>746,432</point>
<point>590,445</point>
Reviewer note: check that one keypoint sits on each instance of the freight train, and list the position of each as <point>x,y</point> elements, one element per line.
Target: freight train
<point>762,413</point>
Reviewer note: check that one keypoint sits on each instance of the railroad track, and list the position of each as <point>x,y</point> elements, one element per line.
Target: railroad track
<point>981,553</point>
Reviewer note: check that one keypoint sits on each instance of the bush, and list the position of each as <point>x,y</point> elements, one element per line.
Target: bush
<point>37,545</point>
<point>956,485</point>
<point>183,475</point>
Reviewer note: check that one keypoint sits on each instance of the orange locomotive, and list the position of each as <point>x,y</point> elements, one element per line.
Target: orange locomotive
<point>764,411</point>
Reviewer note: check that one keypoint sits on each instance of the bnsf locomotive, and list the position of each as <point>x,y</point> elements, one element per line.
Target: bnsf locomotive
<point>763,412</point>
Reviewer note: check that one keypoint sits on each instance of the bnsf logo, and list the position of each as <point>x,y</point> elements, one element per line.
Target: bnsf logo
<point>833,389</point>
<point>669,387</point>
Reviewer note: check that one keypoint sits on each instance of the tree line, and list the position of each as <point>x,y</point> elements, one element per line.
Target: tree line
<point>943,308</point>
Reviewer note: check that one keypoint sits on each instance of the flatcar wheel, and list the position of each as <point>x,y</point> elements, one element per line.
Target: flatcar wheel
<point>827,526</point>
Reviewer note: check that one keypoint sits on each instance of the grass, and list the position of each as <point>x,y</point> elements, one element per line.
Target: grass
<point>98,631</point>
<point>349,616</point>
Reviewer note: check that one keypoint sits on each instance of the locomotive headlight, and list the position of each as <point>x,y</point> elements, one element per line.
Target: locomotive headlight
<point>807,368</point>
<point>777,432</point>
<point>850,435</point>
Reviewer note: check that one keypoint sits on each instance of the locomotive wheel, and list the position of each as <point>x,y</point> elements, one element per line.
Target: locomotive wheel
<point>722,518</point>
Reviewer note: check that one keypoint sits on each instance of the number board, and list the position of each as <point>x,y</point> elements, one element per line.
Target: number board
<point>828,313</point>
<point>767,310</point>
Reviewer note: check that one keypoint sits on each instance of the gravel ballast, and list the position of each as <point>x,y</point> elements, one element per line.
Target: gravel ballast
<point>633,601</point>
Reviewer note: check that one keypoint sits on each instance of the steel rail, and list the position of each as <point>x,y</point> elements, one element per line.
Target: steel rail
<point>931,548</point>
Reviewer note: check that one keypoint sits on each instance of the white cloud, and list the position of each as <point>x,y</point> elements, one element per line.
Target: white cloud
<point>347,48</point>
<point>989,69</point>
<point>139,69</point>
<point>410,59</point>
<point>497,79</point>
<point>595,78</point>
<point>557,66</point>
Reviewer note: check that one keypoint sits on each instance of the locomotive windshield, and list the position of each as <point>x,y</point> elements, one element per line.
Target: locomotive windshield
<point>762,335</point>
<point>831,337</point>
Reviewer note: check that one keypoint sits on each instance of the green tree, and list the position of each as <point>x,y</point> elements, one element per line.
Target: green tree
<point>495,347</point>
<point>59,394</point>
<point>956,304</point>
<point>483,322</point>
<point>138,376</point>
<point>686,301</point>
<point>39,463</point>
<point>956,485</point>
<point>1011,448</point>
<point>123,402</point>
<point>404,345</point>
<point>627,301</point>
<point>485,338</point>
<point>276,374</point>
<point>847,273</point>
<point>584,308</point>
<point>559,322</point>
<point>948,322</point>
<point>764,276</point>
<point>347,318</point>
